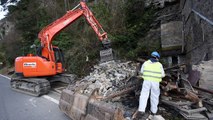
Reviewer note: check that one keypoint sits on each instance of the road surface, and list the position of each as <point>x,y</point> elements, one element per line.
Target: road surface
<point>18,106</point>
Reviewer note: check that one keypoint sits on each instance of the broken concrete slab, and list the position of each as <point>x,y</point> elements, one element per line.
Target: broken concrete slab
<point>186,109</point>
<point>108,77</point>
<point>206,71</point>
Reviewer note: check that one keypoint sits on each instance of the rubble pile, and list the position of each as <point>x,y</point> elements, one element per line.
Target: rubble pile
<point>107,77</point>
<point>179,94</point>
<point>93,94</point>
<point>205,70</point>
<point>110,86</point>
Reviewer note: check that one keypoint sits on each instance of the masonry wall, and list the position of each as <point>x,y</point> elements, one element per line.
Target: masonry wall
<point>197,17</point>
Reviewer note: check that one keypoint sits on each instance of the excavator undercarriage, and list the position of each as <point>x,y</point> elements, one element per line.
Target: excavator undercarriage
<point>39,86</point>
<point>31,86</point>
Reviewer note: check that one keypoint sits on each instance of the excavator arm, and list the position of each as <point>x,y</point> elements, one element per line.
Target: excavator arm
<point>47,34</point>
<point>102,35</point>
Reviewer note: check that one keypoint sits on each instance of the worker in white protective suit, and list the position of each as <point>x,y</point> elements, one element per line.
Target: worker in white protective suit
<point>152,72</point>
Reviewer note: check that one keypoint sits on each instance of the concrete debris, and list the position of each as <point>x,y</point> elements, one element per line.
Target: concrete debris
<point>108,77</point>
<point>110,81</point>
<point>116,87</point>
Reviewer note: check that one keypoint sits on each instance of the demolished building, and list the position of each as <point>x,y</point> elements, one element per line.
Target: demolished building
<point>185,32</point>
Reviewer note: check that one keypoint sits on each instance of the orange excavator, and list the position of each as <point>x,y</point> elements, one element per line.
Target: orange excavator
<point>34,72</point>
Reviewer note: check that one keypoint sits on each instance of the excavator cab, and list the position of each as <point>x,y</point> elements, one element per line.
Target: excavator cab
<point>59,59</point>
<point>59,56</point>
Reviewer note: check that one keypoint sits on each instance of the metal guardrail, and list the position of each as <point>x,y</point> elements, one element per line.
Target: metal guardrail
<point>203,17</point>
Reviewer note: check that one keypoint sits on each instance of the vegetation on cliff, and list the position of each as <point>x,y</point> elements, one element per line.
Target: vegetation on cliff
<point>125,21</point>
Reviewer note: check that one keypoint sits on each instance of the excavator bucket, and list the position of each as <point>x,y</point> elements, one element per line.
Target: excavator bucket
<point>106,54</point>
<point>86,107</point>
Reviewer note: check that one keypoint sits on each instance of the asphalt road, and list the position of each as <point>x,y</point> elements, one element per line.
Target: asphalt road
<point>18,106</point>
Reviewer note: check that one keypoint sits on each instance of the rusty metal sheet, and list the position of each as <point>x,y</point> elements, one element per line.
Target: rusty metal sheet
<point>192,97</point>
<point>194,77</point>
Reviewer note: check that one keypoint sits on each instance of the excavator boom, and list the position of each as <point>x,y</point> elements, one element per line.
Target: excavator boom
<point>47,34</point>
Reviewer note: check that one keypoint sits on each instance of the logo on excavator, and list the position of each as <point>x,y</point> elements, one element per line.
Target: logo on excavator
<point>30,64</point>
<point>66,22</point>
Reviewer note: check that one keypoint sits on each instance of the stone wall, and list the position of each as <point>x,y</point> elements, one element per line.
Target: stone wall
<point>165,33</point>
<point>171,35</point>
<point>197,17</point>
<point>158,3</point>
<point>186,29</point>
<point>5,28</point>
<point>198,30</point>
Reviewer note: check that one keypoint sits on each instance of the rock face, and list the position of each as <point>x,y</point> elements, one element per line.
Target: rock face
<point>5,28</point>
<point>204,7</point>
<point>206,72</point>
<point>166,32</point>
<point>186,30</point>
<point>158,3</point>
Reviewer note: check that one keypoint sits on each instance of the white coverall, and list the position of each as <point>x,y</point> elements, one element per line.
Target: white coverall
<point>155,92</point>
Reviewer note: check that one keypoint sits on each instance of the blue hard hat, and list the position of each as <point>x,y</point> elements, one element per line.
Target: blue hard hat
<point>155,54</point>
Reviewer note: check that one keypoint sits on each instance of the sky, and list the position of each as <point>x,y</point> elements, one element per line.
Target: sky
<point>3,8</point>
<point>2,12</point>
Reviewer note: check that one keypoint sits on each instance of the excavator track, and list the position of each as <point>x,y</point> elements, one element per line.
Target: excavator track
<point>30,86</point>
